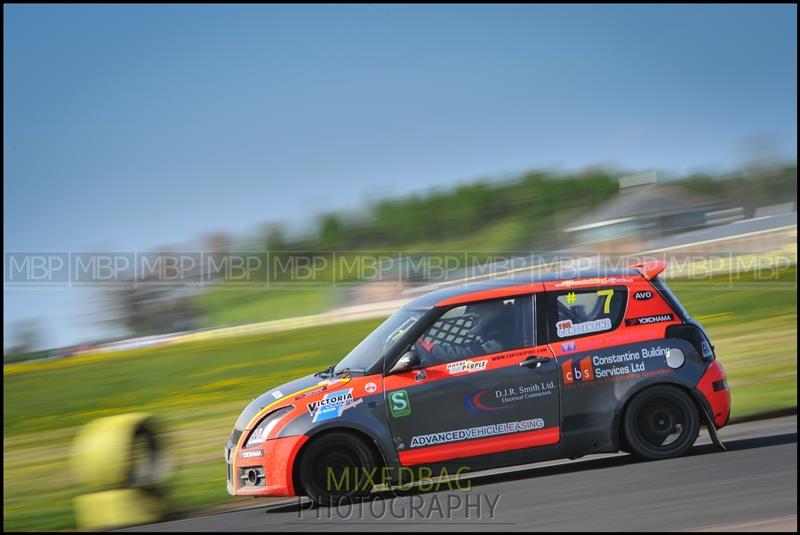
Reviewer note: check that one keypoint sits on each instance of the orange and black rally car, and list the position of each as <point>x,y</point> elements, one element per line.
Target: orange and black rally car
<point>491,374</point>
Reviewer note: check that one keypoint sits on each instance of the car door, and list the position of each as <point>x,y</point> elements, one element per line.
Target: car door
<point>483,386</point>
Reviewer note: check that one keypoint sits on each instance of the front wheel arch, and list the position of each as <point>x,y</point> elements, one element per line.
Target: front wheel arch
<point>354,433</point>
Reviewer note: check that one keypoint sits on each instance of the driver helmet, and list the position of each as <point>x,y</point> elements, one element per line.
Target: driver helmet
<point>485,314</point>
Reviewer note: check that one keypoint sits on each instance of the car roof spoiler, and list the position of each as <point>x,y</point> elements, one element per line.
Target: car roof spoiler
<point>650,269</point>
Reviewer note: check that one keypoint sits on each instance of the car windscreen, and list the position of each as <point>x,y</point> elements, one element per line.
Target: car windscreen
<point>374,347</point>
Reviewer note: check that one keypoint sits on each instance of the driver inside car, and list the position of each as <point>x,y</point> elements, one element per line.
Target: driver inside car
<point>491,332</point>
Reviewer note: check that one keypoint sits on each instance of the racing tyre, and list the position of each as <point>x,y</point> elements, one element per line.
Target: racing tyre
<point>661,422</point>
<point>337,469</point>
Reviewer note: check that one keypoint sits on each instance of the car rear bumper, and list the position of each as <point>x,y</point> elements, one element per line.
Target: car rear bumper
<point>713,385</point>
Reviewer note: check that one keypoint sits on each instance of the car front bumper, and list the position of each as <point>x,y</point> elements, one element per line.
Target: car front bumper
<point>266,470</point>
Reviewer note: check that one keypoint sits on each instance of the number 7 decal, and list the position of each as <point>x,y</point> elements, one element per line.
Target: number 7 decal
<point>607,294</point>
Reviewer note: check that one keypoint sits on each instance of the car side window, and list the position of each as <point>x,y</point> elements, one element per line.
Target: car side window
<point>476,329</point>
<point>587,311</point>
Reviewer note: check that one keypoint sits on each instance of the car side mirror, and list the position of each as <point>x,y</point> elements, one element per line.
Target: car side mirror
<point>408,361</point>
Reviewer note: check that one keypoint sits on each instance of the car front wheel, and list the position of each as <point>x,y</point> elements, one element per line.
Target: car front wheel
<point>661,422</point>
<point>337,468</point>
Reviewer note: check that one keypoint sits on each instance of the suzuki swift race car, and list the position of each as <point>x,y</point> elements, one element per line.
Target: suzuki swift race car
<point>486,375</point>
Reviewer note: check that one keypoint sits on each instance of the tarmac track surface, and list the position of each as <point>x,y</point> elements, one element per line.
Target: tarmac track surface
<point>752,486</point>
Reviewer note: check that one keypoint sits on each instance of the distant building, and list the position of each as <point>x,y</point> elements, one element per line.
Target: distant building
<point>643,210</point>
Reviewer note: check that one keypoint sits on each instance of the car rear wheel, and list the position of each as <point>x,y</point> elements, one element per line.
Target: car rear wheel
<point>661,422</point>
<point>337,468</point>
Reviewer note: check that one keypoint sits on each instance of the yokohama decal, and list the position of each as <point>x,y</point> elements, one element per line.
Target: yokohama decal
<point>646,320</point>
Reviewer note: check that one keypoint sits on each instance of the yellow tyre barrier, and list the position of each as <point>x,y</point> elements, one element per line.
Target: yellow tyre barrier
<point>117,508</point>
<point>124,461</point>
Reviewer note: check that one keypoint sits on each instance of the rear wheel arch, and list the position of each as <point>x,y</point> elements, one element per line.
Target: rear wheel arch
<point>618,428</point>
<point>685,395</point>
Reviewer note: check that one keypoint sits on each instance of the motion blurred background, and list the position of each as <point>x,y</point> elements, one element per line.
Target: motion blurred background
<point>203,202</point>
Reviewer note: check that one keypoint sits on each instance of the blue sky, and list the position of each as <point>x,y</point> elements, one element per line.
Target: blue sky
<point>131,127</point>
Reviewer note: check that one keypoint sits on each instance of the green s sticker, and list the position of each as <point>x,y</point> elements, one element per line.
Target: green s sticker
<point>399,403</point>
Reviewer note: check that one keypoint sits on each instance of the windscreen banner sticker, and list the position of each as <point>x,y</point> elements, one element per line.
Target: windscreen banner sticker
<point>592,282</point>
<point>468,366</point>
<point>647,320</point>
<point>483,431</point>
<point>332,405</point>
<point>566,328</point>
<point>623,365</point>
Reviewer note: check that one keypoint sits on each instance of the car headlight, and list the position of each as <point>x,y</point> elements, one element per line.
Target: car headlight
<point>263,429</point>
